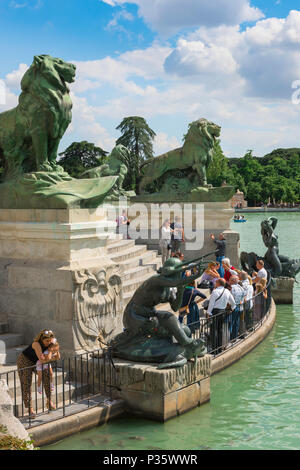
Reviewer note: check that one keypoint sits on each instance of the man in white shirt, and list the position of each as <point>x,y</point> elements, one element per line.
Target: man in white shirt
<point>248,305</point>
<point>165,240</point>
<point>219,299</point>
<point>262,273</point>
<point>239,294</point>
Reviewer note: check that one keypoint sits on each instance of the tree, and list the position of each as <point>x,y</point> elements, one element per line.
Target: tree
<point>254,192</point>
<point>138,138</point>
<point>218,171</point>
<point>81,156</point>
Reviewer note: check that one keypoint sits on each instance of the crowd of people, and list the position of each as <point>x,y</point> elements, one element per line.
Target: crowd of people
<point>237,301</point>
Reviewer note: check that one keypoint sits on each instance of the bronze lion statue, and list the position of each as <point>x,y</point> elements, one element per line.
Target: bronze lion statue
<point>31,132</point>
<point>195,154</point>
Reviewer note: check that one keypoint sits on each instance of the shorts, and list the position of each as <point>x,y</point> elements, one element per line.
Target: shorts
<point>176,244</point>
<point>40,367</point>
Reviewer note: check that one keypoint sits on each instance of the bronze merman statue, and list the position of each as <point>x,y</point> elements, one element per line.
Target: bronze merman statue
<point>149,334</point>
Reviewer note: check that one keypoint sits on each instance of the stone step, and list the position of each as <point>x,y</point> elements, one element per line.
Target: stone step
<point>3,327</point>
<point>133,284</point>
<point>114,238</point>
<point>120,246</point>
<point>147,258</point>
<point>11,340</point>
<point>132,252</point>
<point>11,354</point>
<point>137,272</point>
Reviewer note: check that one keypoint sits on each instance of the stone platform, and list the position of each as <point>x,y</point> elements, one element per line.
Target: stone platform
<point>202,218</point>
<point>283,291</point>
<point>162,394</point>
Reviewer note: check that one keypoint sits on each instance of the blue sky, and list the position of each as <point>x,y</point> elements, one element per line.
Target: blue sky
<point>231,61</point>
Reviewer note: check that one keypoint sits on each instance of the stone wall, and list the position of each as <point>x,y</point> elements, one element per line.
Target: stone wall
<point>55,274</point>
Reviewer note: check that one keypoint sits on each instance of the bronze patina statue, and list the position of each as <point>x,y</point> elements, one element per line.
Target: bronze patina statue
<point>278,265</point>
<point>29,138</point>
<point>114,166</point>
<point>156,336</point>
<point>181,174</point>
<point>31,132</point>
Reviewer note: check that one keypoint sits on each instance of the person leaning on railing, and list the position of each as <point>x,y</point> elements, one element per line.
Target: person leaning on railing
<point>218,302</point>
<point>239,294</point>
<point>261,295</point>
<point>26,364</point>
<point>248,304</point>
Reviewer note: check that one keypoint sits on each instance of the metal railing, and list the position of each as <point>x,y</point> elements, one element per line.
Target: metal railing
<point>221,332</point>
<point>75,380</point>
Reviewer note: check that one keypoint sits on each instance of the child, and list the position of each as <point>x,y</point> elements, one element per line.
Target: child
<point>52,353</point>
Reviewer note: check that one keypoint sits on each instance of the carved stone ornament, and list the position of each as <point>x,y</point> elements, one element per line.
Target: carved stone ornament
<point>97,305</point>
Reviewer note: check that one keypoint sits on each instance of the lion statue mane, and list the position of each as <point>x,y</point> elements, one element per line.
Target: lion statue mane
<point>196,154</point>
<point>31,132</point>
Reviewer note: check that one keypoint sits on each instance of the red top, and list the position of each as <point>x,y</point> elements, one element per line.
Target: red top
<point>228,274</point>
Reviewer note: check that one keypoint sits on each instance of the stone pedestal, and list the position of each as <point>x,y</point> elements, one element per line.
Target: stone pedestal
<point>199,220</point>
<point>55,274</point>
<point>283,291</point>
<point>163,394</point>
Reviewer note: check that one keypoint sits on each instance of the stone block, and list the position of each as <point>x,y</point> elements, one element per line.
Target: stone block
<point>162,394</point>
<point>188,398</point>
<point>204,390</point>
<point>64,306</point>
<point>4,272</point>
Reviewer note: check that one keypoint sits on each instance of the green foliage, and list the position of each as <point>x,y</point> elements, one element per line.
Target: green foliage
<point>81,156</point>
<point>138,138</point>
<point>218,171</point>
<point>8,442</point>
<point>275,176</point>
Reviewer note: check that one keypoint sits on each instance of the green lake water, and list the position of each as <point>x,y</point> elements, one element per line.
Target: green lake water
<point>255,404</point>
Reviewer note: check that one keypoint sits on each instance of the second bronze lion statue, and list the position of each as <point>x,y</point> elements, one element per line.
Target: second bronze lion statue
<point>196,154</point>
<point>30,133</point>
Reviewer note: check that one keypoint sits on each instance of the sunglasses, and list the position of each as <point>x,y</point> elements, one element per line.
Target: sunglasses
<point>48,333</point>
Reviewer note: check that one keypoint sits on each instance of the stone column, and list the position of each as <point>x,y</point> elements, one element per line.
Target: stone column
<point>233,247</point>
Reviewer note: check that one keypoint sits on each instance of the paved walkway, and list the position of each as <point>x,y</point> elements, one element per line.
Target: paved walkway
<point>72,409</point>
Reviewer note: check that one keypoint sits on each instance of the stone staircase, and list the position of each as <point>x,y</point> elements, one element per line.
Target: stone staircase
<point>11,344</point>
<point>139,264</point>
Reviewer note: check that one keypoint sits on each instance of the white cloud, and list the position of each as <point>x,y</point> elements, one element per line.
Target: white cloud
<point>238,79</point>
<point>266,56</point>
<point>163,143</point>
<point>171,16</point>
<point>13,79</point>
<point>197,58</point>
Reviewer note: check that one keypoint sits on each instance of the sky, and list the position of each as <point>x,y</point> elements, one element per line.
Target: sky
<point>234,62</point>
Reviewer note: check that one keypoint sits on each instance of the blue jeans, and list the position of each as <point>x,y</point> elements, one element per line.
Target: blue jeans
<point>235,323</point>
<point>221,270</point>
<point>193,317</point>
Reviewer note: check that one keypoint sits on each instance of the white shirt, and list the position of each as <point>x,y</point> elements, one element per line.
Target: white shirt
<point>262,274</point>
<point>177,231</point>
<point>239,293</point>
<point>221,304</point>
<point>165,233</point>
<point>250,292</point>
